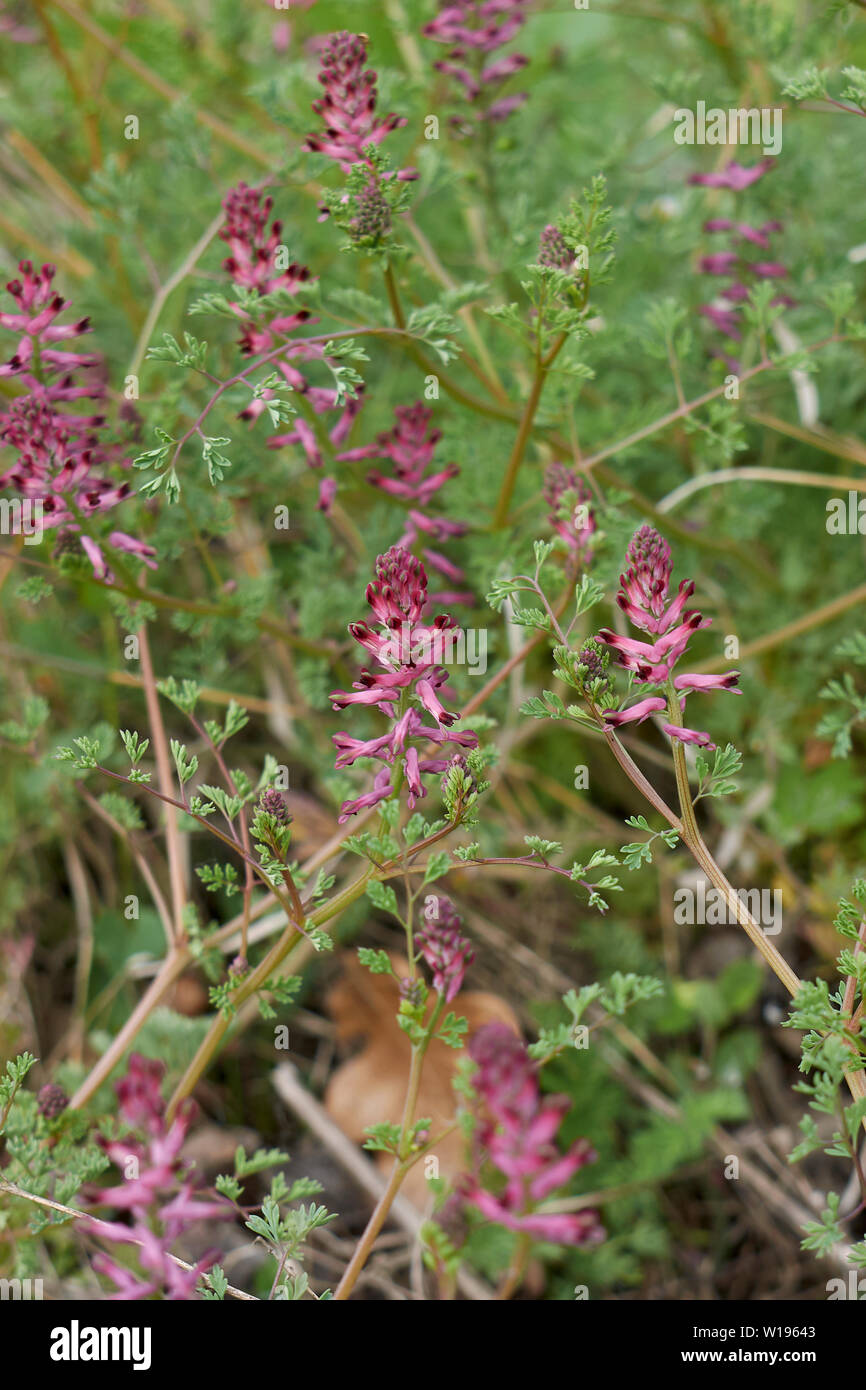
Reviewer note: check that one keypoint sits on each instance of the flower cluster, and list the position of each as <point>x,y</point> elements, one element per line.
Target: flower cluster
<point>60,459</point>
<point>159,1198</point>
<point>745,260</point>
<point>273,803</point>
<point>571,514</point>
<point>254,247</point>
<point>14,31</point>
<point>553,249</point>
<point>643,597</point>
<point>348,108</point>
<point>410,446</point>
<point>444,947</point>
<point>474,30</point>
<point>515,1132</point>
<point>252,265</point>
<point>406,686</point>
<point>353,132</point>
<point>51,1101</point>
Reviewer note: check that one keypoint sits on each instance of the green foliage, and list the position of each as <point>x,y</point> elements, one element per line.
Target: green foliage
<point>715,780</point>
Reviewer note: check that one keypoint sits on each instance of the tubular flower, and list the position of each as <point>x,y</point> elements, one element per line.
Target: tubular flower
<point>36,359</point>
<point>252,266</point>
<point>59,457</point>
<point>571,515</point>
<point>159,1196</point>
<point>738,261</point>
<point>643,597</point>
<point>474,30</point>
<point>443,946</point>
<point>515,1132</point>
<point>734,176</point>
<point>408,654</point>
<point>348,108</point>
<point>410,446</point>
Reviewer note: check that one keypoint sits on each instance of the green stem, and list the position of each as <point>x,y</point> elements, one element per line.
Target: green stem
<point>402,1163</point>
<point>282,948</point>
<point>517,1267</point>
<point>373,1227</point>
<point>172,967</point>
<point>693,840</point>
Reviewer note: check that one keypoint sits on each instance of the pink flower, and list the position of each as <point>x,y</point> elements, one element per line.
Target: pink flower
<point>697,736</point>
<point>724,313</point>
<point>476,28</point>
<point>514,1134</point>
<point>60,460</point>
<point>443,946</point>
<point>635,714</point>
<point>39,305</point>
<point>578,526</point>
<point>722,318</point>
<point>409,447</point>
<point>721,263</point>
<point>348,108</point>
<point>644,598</point>
<point>734,176</point>
<point>119,540</point>
<point>159,1198</point>
<point>408,654</point>
<point>254,247</point>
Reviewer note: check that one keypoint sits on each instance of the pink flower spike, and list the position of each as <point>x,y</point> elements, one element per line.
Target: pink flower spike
<point>406,652</point>
<point>348,108</point>
<point>515,1130</point>
<point>161,1199</point>
<point>445,949</point>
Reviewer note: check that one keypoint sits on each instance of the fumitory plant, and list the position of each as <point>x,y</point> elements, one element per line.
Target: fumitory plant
<point>363,938</point>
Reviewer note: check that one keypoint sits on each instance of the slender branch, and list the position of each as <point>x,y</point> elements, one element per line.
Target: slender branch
<point>172,967</point>
<point>141,861</point>
<point>15,1191</point>
<point>693,840</point>
<point>281,949</point>
<point>403,1161</point>
<point>759,475</point>
<point>171,284</point>
<point>177,876</point>
<point>500,515</point>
